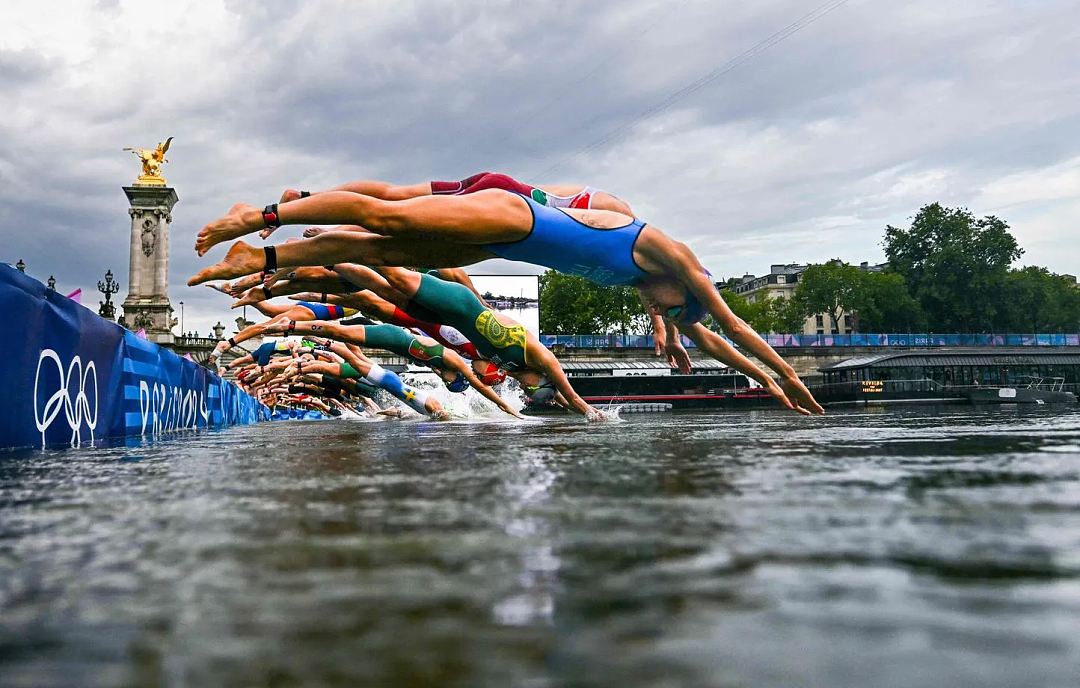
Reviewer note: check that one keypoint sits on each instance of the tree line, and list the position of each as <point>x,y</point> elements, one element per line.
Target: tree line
<point>949,271</point>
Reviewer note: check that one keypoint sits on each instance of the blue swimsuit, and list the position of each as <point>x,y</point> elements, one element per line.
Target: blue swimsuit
<point>559,241</point>
<point>266,351</point>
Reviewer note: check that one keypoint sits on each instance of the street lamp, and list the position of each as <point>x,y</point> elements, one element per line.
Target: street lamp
<point>108,288</point>
<point>181,318</point>
<point>51,283</point>
<point>21,266</point>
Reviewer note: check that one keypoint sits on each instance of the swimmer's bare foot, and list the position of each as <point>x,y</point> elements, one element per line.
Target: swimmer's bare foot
<point>242,259</point>
<point>289,195</point>
<point>241,219</point>
<point>272,278</point>
<point>314,231</point>
<point>250,298</point>
<point>277,326</point>
<point>223,288</point>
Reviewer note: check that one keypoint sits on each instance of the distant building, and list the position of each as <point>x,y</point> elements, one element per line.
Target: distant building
<point>780,283</point>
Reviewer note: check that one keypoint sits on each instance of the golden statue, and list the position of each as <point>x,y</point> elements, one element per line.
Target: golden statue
<point>152,160</point>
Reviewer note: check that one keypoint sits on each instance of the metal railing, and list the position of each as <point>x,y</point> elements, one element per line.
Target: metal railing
<point>638,341</point>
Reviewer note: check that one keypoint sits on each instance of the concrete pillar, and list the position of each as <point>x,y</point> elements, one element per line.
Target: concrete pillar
<point>147,304</point>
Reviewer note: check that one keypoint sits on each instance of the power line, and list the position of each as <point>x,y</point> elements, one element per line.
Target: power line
<point>560,92</point>
<point>715,74</point>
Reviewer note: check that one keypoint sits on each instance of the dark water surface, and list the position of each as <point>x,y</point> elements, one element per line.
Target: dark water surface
<point>930,547</point>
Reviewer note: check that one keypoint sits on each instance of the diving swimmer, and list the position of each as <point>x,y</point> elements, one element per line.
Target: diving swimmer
<point>606,247</point>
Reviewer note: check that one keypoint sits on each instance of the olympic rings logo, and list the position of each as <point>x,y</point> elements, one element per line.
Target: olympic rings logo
<point>76,409</point>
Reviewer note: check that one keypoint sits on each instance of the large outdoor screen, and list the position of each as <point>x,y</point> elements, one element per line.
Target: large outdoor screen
<point>517,296</point>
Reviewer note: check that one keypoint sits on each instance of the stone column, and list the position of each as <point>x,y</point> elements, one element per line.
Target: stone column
<point>147,304</point>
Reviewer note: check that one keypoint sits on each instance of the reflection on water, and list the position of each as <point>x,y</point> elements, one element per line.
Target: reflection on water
<point>930,547</point>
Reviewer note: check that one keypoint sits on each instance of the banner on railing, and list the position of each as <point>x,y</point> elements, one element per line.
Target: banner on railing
<point>619,341</point>
<point>69,377</point>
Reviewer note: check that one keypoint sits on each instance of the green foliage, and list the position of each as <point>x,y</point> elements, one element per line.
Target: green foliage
<point>833,288</point>
<point>1034,299</point>
<point>954,265</point>
<point>574,305</point>
<point>884,305</point>
<point>766,316</point>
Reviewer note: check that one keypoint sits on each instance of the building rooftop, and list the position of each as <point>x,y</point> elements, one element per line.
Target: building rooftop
<point>957,357</point>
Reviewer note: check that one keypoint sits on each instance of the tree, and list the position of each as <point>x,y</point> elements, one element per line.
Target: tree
<point>1033,299</point>
<point>765,315</point>
<point>954,265</point>
<point>574,305</point>
<point>885,305</point>
<point>833,288</point>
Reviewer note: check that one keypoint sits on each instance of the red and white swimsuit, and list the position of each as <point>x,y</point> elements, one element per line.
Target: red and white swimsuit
<point>492,180</point>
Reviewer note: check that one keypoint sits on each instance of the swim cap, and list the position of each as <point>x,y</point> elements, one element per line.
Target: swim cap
<point>459,383</point>
<point>494,375</point>
<point>693,311</point>
<point>544,390</point>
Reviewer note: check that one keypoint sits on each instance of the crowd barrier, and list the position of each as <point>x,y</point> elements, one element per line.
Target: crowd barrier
<point>619,341</point>
<point>68,377</point>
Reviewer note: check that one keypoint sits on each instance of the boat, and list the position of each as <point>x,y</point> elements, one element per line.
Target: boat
<point>1037,391</point>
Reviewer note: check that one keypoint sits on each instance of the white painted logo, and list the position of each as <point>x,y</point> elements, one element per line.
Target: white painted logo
<point>77,407</point>
<point>165,410</point>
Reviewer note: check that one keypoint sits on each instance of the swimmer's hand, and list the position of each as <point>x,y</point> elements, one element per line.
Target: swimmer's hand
<point>596,415</point>
<point>440,414</point>
<point>676,355</point>
<point>801,398</point>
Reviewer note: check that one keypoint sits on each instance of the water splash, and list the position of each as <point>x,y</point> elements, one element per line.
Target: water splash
<point>470,404</point>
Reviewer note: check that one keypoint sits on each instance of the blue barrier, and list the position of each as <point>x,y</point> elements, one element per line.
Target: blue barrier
<point>68,377</point>
<point>619,341</point>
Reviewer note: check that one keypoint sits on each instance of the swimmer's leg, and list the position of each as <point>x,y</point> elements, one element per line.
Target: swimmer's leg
<point>481,218</point>
<point>339,247</point>
<point>415,399</point>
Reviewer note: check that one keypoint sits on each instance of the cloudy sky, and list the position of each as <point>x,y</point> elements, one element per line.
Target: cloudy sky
<point>803,153</point>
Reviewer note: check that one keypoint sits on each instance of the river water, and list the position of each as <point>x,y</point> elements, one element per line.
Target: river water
<point>902,547</point>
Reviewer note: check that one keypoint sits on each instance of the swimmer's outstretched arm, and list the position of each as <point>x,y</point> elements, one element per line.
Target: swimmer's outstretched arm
<point>714,345</point>
<point>540,358</point>
<point>682,262</point>
<point>462,366</point>
<point>243,360</point>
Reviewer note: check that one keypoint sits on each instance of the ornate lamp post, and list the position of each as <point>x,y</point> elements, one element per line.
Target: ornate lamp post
<point>21,266</point>
<point>108,288</point>
<point>51,283</point>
